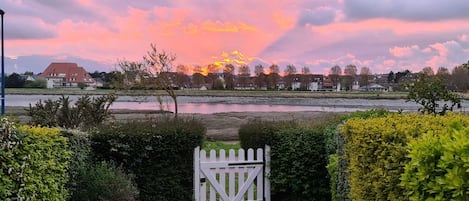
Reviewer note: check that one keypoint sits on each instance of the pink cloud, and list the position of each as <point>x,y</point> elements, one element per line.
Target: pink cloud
<point>404,51</point>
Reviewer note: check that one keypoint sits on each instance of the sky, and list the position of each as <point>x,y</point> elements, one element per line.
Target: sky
<point>384,35</point>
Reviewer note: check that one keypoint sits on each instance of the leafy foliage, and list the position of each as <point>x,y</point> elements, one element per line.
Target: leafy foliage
<point>429,92</point>
<point>438,166</point>
<point>87,113</point>
<point>159,153</point>
<point>298,165</point>
<point>256,134</point>
<point>34,163</point>
<point>104,182</point>
<point>376,149</point>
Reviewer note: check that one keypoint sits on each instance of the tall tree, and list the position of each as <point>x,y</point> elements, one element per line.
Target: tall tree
<point>244,74</point>
<point>305,70</point>
<point>365,75</point>
<point>443,74</point>
<point>260,76</point>
<point>428,71</point>
<point>334,74</point>
<point>350,73</point>
<point>391,77</point>
<point>182,69</point>
<point>274,68</point>
<point>258,69</point>
<point>289,75</point>
<point>156,71</point>
<point>460,78</point>
<point>228,75</point>
<point>273,77</point>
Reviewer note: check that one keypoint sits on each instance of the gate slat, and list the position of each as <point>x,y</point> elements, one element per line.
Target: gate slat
<point>260,179</point>
<point>197,173</point>
<point>266,173</point>
<point>251,188</point>
<point>223,170</point>
<point>213,158</point>
<point>203,185</point>
<point>231,180</point>
<point>241,171</point>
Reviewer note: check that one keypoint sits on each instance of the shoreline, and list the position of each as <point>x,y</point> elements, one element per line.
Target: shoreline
<point>220,126</point>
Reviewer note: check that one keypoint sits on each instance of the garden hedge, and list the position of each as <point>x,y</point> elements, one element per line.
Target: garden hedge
<point>298,158</point>
<point>158,152</point>
<point>376,149</point>
<point>438,166</point>
<point>34,163</point>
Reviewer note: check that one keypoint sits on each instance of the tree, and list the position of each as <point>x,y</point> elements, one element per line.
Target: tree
<point>273,76</point>
<point>428,71</point>
<point>365,74</point>
<point>198,79</point>
<point>228,75</point>
<point>334,74</point>
<point>160,65</point>
<point>274,68</point>
<point>244,73</point>
<point>14,81</point>
<point>258,69</point>
<point>305,70</point>
<point>289,75</point>
<point>154,72</point>
<point>460,78</point>
<point>391,77</point>
<point>350,73</point>
<point>429,93</point>
<point>443,74</point>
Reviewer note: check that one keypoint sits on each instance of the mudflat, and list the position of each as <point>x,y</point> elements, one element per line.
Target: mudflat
<point>220,126</point>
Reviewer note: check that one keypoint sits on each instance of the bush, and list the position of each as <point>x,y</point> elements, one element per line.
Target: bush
<point>34,163</point>
<point>80,145</point>
<point>159,153</point>
<point>86,114</point>
<point>336,140</point>
<point>256,134</point>
<point>104,182</point>
<point>438,166</point>
<point>376,149</point>
<point>298,165</point>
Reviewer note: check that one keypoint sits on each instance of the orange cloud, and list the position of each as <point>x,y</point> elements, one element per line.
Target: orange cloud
<point>226,26</point>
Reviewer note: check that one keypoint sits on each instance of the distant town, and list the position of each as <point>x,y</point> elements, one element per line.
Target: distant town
<point>72,76</point>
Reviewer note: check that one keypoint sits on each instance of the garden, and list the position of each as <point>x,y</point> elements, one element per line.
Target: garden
<point>370,155</point>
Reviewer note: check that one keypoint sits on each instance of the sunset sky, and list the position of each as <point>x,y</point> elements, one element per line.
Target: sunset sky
<point>384,35</point>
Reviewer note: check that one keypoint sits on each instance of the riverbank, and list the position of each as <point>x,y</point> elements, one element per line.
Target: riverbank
<point>220,126</point>
<point>215,93</point>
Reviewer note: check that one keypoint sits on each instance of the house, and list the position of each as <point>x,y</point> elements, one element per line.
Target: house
<point>67,75</point>
<point>374,87</point>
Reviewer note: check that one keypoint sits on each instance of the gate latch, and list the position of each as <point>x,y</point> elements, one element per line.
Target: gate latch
<point>202,180</point>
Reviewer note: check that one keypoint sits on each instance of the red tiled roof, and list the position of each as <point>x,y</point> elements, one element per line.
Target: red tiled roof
<point>70,71</point>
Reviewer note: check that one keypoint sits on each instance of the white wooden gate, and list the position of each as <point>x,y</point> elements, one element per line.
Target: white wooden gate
<point>232,178</point>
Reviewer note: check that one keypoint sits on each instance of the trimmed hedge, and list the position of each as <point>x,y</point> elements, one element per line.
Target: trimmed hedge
<point>376,149</point>
<point>298,165</point>
<point>256,134</point>
<point>159,153</point>
<point>438,166</point>
<point>298,158</point>
<point>34,163</point>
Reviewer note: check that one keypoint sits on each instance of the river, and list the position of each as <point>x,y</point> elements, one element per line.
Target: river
<point>208,105</point>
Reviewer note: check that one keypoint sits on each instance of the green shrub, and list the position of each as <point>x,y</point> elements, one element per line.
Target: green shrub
<point>438,167</point>
<point>376,149</point>
<point>80,145</point>
<point>34,163</point>
<point>298,164</point>
<point>159,153</point>
<point>87,112</point>
<point>335,140</point>
<point>332,167</point>
<point>256,134</point>
<point>104,182</point>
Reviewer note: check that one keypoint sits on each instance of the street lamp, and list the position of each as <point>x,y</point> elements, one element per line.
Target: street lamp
<point>3,66</point>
